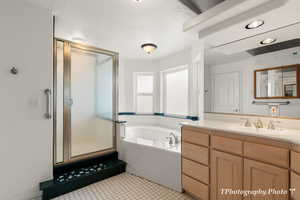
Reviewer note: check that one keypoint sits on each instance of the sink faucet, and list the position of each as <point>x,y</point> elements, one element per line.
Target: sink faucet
<point>271,125</point>
<point>173,139</point>
<point>258,123</point>
<point>247,123</point>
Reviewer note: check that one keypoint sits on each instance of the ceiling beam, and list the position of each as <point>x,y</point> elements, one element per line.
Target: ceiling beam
<point>191,5</point>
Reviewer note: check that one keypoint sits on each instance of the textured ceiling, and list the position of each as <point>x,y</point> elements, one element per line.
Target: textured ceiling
<point>282,23</point>
<point>123,25</point>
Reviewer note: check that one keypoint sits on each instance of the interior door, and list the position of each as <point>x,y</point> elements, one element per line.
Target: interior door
<point>226,92</point>
<point>85,101</point>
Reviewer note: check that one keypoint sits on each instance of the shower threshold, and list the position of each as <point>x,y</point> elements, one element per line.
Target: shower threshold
<point>74,176</point>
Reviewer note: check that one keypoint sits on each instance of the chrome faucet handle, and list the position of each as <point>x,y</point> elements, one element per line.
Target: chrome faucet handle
<point>271,125</point>
<point>170,140</point>
<point>246,123</point>
<point>176,140</point>
<point>258,123</point>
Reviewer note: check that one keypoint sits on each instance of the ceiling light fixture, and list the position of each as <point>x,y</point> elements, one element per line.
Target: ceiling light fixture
<point>268,41</point>
<point>254,24</point>
<point>78,39</point>
<point>149,47</point>
<point>138,1</point>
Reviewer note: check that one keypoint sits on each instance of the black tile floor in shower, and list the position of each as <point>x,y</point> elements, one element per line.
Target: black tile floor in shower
<point>77,175</point>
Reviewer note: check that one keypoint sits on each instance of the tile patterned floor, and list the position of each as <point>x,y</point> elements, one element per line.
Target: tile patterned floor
<point>124,187</point>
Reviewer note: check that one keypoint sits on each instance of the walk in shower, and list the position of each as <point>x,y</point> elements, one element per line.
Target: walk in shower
<point>85,101</point>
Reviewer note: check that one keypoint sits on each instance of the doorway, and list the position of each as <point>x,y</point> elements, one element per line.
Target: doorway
<point>85,101</point>
<point>226,92</point>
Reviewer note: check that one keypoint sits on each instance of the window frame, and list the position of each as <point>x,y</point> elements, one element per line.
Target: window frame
<point>164,89</point>
<point>136,94</point>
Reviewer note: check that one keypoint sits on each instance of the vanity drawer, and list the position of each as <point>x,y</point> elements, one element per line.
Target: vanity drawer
<point>196,137</point>
<point>195,153</point>
<point>295,161</point>
<point>195,188</point>
<point>195,170</point>
<point>269,154</point>
<point>227,145</point>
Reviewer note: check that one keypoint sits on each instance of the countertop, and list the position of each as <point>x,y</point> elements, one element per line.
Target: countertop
<point>286,135</point>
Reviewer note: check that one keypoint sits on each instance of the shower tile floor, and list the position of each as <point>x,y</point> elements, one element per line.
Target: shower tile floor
<point>124,187</point>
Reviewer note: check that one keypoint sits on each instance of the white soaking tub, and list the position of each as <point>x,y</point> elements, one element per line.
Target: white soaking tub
<point>149,155</point>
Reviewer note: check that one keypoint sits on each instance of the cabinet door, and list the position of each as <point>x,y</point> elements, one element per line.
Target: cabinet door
<point>268,180</point>
<point>226,174</point>
<point>295,186</point>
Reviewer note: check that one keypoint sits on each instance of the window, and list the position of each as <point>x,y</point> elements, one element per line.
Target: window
<point>175,91</point>
<point>144,92</point>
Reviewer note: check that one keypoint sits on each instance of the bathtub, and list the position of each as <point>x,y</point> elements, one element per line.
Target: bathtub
<point>149,155</point>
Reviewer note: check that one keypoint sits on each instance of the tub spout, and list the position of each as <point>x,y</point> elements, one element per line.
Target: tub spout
<point>176,140</point>
<point>171,142</point>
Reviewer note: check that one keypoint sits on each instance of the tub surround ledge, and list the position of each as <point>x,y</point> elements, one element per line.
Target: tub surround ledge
<point>193,118</point>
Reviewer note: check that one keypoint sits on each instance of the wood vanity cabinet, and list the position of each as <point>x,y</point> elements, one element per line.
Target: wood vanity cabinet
<point>295,184</point>
<point>295,175</point>
<point>236,162</point>
<point>258,175</point>
<point>226,173</point>
<point>195,162</point>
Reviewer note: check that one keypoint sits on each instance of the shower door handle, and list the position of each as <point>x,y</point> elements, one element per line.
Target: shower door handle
<point>71,102</point>
<point>48,103</point>
<point>68,102</point>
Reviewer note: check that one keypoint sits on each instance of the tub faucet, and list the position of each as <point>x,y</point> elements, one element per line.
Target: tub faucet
<point>170,139</point>
<point>175,141</point>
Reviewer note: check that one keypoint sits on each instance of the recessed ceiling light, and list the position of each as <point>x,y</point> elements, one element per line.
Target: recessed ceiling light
<point>268,41</point>
<point>149,47</point>
<point>138,1</point>
<point>254,24</point>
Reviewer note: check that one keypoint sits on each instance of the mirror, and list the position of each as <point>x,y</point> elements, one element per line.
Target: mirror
<point>279,82</point>
<point>246,77</point>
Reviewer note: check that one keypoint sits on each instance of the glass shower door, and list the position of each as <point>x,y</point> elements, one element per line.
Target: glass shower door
<point>85,101</point>
<point>92,125</point>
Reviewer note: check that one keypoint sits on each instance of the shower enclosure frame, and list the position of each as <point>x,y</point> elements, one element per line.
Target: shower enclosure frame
<point>67,157</point>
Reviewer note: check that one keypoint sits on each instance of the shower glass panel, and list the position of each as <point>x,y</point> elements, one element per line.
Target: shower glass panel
<point>92,98</point>
<point>85,101</point>
<point>59,108</point>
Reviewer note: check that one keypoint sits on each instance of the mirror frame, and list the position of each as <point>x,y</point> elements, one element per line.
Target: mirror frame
<point>297,66</point>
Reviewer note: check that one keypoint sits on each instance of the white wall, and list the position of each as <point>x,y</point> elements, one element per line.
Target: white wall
<point>175,60</point>
<point>192,57</point>
<point>126,70</point>
<point>246,68</point>
<point>26,136</point>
